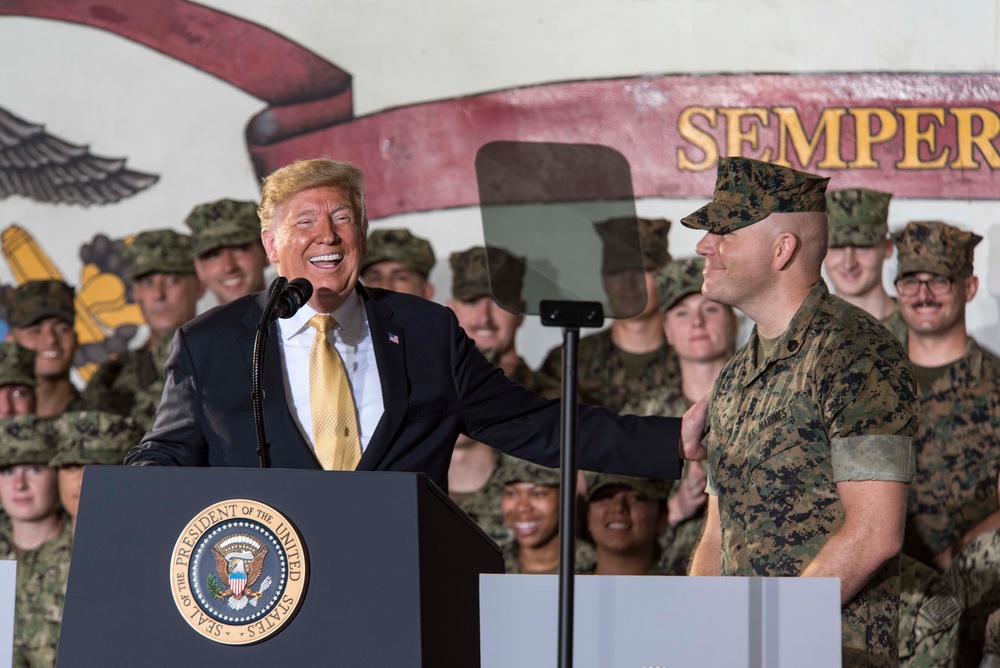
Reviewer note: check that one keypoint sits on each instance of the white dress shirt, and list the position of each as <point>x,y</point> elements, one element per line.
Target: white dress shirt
<point>352,340</point>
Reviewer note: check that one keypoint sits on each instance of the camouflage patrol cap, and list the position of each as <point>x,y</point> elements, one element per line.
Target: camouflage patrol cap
<point>399,245</point>
<point>35,300</point>
<point>857,217</point>
<point>25,439</point>
<point>519,470</point>
<point>17,365</point>
<point>651,488</point>
<point>225,222</point>
<point>679,279</point>
<point>470,277</point>
<point>159,251</point>
<point>618,250</point>
<point>748,191</point>
<point>934,247</point>
<point>92,437</point>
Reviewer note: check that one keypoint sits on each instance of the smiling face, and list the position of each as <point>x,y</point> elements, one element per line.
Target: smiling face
<point>623,521</point>
<point>54,343</point>
<point>491,327</point>
<point>28,492</point>
<point>232,271</point>
<point>315,235</point>
<point>736,264</point>
<point>857,270</point>
<point>532,513</point>
<point>699,329</point>
<point>929,314</point>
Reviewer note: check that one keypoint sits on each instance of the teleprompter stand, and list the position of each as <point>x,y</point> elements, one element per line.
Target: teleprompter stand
<point>571,316</point>
<point>393,570</point>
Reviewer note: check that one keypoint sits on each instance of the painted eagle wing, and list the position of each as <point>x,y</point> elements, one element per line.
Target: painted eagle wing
<point>255,567</point>
<point>221,566</point>
<point>45,168</point>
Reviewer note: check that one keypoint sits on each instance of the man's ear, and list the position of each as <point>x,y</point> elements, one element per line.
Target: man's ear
<point>971,287</point>
<point>270,245</point>
<point>785,246</point>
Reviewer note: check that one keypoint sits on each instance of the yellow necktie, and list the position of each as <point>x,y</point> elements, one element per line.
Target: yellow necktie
<point>334,419</point>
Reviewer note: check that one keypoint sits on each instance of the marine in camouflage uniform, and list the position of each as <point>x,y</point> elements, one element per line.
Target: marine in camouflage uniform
<point>674,282</point>
<point>398,260</point>
<point>974,576</point>
<point>991,648</point>
<point>513,470</point>
<point>41,572</point>
<point>17,372</point>
<point>226,243</point>
<point>31,304</point>
<point>470,282</point>
<point>651,489</point>
<point>929,613</point>
<point>117,384</point>
<point>958,470</point>
<point>859,219</point>
<point>830,400</point>
<point>607,375</point>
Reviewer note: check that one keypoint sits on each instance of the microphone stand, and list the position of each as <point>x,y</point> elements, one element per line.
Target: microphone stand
<point>571,316</point>
<point>257,371</point>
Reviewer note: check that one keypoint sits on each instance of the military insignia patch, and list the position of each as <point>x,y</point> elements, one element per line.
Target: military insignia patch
<point>238,572</point>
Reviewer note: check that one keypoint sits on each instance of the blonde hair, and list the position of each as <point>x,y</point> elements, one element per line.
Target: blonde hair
<point>283,184</point>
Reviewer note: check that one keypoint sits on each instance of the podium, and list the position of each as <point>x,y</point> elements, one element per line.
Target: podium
<point>332,568</point>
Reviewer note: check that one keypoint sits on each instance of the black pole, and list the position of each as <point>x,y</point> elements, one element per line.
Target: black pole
<point>567,502</point>
<point>571,316</point>
<point>257,371</point>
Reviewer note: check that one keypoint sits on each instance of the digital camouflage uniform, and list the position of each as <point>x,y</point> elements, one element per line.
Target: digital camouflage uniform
<point>833,401</point>
<point>222,223</point>
<point>93,437</point>
<point>860,217</point>
<point>957,446</point>
<point>399,245</point>
<point>470,280</point>
<point>116,384</point>
<point>42,572</point>
<point>17,367</point>
<point>974,576</point>
<point>929,614</point>
<point>674,281</point>
<point>608,376</point>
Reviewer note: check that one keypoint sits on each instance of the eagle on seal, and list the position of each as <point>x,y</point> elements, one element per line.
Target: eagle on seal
<point>239,570</point>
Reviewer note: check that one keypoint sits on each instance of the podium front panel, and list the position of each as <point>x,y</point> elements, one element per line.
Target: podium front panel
<point>362,604</point>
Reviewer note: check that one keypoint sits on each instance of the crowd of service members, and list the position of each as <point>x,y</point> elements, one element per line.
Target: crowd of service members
<point>659,361</point>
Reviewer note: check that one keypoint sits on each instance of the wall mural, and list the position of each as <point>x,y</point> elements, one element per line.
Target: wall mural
<point>916,135</point>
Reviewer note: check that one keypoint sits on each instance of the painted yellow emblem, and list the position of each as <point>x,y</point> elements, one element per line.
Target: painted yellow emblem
<point>238,572</point>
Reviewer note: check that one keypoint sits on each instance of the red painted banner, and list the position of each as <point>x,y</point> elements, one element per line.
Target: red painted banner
<point>915,135</point>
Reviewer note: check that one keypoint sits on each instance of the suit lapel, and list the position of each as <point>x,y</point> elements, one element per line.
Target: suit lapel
<point>389,343</point>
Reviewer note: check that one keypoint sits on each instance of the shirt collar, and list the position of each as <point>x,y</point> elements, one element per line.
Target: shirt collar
<point>348,315</point>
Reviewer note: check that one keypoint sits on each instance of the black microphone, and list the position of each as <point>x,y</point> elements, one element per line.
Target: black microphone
<point>292,297</point>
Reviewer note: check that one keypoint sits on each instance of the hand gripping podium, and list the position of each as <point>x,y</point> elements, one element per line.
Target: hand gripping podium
<point>216,566</point>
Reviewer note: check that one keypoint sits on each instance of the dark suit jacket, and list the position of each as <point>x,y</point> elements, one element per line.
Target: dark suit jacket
<point>435,385</point>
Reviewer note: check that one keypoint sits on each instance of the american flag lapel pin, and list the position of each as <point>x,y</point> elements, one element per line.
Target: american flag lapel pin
<point>393,338</point>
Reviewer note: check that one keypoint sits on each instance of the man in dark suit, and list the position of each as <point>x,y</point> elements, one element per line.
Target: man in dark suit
<point>416,379</point>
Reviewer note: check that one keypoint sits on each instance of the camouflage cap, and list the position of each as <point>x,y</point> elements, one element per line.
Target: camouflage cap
<point>35,300</point>
<point>618,250</point>
<point>17,365</point>
<point>399,245</point>
<point>857,217</point>
<point>25,439</point>
<point>93,437</point>
<point>934,247</point>
<point>679,279</point>
<point>651,488</point>
<point>748,191</point>
<point>519,470</point>
<point>159,251</point>
<point>225,222</point>
<point>470,277</point>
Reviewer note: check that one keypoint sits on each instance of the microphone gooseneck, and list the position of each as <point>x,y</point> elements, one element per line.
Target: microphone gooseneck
<point>292,297</point>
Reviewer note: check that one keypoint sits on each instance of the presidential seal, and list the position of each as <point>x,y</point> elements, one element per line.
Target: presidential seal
<point>238,572</point>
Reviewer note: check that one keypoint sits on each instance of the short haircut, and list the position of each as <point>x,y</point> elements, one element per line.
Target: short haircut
<point>285,183</point>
